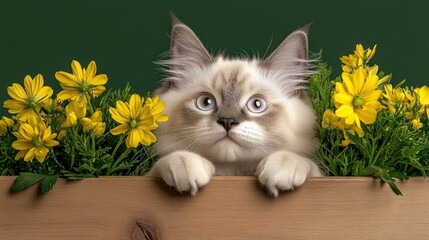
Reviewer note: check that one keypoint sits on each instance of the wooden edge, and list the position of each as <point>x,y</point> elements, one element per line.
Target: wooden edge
<point>227,208</point>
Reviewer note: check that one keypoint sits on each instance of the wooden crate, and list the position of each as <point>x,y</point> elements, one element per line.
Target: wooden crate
<point>228,208</point>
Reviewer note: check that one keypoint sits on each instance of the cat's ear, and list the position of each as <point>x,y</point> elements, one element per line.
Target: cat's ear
<point>186,50</point>
<point>290,59</point>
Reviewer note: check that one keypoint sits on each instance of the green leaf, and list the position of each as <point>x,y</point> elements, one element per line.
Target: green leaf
<point>399,175</point>
<point>78,176</point>
<point>395,188</point>
<point>26,180</point>
<point>48,183</point>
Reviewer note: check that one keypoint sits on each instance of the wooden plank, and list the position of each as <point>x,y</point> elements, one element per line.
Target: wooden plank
<point>228,208</point>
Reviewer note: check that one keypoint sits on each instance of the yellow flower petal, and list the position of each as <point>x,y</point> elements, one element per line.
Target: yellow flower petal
<point>344,111</point>
<point>343,98</point>
<point>117,116</point>
<point>372,95</point>
<point>30,154</point>
<point>22,144</point>
<point>119,129</point>
<point>90,71</point>
<point>348,85</point>
<point>367,115</point>
<point>135,105</point>
<point>100,79</point>
<point>26,114</point>
<point>66,78</point>
<point>29,85</point>
<point>133,139</point>
<point>370,84</point>
<point>21,154</point>
<point>359,77</point>
<point>77,70</point>
<point>359,50</point>
<point>41,153</point>
<point>51,143</point>
<point>17,92</point>
<point>148,138</point>
<point>27,131</point>
<point>96,91</point>
<point>14,106</point>
<point>43,93</point>
<point>66,94</point>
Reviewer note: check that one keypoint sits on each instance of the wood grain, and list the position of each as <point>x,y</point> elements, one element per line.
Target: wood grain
<point>228,208</point>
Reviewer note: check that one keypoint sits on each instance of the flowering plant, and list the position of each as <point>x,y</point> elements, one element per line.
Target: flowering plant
<point>367,127</point>
<point>78,134</point>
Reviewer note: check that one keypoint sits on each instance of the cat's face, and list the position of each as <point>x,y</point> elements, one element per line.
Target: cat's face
<point>235,109</point>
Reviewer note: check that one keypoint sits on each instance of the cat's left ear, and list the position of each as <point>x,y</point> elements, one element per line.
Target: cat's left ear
<point>290,59</point>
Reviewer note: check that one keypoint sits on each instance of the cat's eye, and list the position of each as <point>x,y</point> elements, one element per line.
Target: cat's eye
<point>257,104</point>
<point>206,102</point>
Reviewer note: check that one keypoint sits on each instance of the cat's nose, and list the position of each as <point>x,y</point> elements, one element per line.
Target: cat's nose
<point>227,123</point>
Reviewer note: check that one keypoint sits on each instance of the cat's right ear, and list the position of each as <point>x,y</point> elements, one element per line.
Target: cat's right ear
<point>187,54</point>
<point>186,50</point>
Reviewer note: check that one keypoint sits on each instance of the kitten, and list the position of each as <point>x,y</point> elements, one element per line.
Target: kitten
<point>236,116</point>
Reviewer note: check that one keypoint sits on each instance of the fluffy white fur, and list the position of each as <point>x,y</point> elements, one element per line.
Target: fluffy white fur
<point>276,145</point>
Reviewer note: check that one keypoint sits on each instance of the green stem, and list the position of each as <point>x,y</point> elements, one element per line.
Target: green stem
<point>119,160</point>
<point>88,99</point>
<point>93,142</point>
<point>121,139</point>
<point>73,150</point>
<point>374,157</point>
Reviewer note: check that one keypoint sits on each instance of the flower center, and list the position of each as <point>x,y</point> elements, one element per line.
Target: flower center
<point>31,102</point>
<point>358,102</point>
<point>85,87</point>
<point>133,123</point>
<point>36,142</point>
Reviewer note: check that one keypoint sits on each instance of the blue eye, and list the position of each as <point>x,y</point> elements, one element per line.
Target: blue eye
<point>257,104</point>
<point>206,102</point>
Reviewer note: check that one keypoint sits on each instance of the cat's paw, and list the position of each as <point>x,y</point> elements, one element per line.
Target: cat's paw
<point>185,171</point>
<point>282,171</point>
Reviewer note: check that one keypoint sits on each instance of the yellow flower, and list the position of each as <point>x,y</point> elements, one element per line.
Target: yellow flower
<point>365,55</point>
<point>52,105</point>
<point>393,98</point>
<point>332,121</point>
<point>74,111</point>
<point>350,63</point>
<point>5,123</point>
<point>360,58</point>
<point>411,99</point>
<point>33,140</point>
<point>416,123</point>
<point>357,98</point>
<point>95,123</point>
<point>27,101</point>
<point>423,95</point>
<point>352,129</point>
<point>136,120</point>
<point>374,71</point>
<point>156,109</point>
<point>82,84</point>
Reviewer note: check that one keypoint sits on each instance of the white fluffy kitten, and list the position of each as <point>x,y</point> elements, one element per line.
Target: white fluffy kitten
<point>236,116</point>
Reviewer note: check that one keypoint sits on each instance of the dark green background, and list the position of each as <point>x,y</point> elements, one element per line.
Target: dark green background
<point>125,37</point>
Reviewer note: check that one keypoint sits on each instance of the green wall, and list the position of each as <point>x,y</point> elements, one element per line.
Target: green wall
<point>125,37</point>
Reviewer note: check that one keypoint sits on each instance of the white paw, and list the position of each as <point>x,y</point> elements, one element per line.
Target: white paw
<point>282,171</point>
<point>186,171</point>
